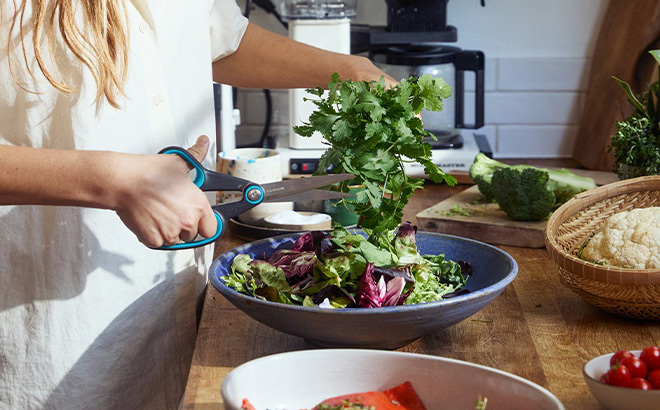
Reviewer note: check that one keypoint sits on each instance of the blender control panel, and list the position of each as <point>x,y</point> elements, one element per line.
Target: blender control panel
<point>303,166</point>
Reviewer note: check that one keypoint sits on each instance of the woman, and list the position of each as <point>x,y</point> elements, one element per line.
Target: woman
<point>90,316</point>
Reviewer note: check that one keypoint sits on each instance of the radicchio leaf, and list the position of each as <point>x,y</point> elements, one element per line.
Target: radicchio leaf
<point>391,273</point>
<point>393,291</point>
<point>295,264</point>
<point>368,293</point>
<point>324,247</point>
<point>304,243</point>
<point>408,231</point>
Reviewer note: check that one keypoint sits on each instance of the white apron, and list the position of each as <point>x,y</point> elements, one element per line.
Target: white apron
<point>89,317</point>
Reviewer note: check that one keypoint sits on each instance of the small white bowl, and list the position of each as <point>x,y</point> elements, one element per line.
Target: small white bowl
<point>615,397</point>
<point>302,379</point>
<point>299,221</point>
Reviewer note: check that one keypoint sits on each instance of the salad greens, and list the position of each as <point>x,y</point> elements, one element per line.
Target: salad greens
<point>341,270</point>
<point>372,131</point>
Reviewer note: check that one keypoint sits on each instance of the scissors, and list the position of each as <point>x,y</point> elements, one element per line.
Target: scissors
<point>252,194</point>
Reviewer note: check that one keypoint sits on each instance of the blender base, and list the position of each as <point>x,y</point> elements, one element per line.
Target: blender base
<point>299,162</point>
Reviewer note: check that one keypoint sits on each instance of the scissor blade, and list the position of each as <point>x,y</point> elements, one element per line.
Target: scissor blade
<point>282,190</point>
<point>313,195</point>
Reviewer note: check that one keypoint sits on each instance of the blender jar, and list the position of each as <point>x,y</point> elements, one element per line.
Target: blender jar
<point>448,63</point>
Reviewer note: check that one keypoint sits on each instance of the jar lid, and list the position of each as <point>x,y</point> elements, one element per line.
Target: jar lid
<point>317,9</point>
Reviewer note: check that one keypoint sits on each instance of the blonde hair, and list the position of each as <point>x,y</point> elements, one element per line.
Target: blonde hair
<point>100,41</point>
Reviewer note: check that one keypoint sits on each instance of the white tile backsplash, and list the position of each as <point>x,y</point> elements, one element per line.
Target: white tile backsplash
<point>532,106</point>
<point>536,141</point>
<point>542,74</point>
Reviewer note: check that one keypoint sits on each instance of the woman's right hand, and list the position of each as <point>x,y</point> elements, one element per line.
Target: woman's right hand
<point>156,199</point>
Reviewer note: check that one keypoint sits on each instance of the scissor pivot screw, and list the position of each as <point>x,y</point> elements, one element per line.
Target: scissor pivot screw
<point>254,194</point>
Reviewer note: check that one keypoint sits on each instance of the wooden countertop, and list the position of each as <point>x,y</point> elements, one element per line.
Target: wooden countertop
<point>536,329</point>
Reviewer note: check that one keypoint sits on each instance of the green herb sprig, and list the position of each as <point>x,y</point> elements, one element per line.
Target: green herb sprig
<point>372,131</point>
<point>637,139</point>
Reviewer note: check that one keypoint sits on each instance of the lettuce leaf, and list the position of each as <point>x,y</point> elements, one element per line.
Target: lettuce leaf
<point>342,269</point>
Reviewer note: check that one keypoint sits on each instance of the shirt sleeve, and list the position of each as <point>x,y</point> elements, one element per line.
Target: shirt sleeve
<point>227,26</point>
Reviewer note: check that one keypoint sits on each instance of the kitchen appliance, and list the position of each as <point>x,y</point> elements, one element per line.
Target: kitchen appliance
<point>448,63</point>
<point>324,24</point>
<point>413,43</point>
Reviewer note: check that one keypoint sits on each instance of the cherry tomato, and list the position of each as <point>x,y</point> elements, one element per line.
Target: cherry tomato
<point>619,375</point>
<point>639,383</point>
<point>619,356</point>
<point>603,378</point>
<point>654,379</point>
<point>636,366</point>
<point>651,357</point>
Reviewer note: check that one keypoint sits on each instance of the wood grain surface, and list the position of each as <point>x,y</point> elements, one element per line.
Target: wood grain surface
<point>484,221</point>
<point>628,30</point>
<point>536,329</point>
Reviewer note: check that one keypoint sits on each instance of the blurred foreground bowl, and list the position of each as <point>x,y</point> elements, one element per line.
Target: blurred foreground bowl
<point>302,379</point>
<point>387,327</point>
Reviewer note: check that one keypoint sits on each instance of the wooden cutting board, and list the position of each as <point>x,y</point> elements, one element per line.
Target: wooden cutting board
<point>488,223</point>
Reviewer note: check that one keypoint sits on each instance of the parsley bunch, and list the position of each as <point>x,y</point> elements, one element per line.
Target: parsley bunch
<point>372,131</point>
<point>637,139</point>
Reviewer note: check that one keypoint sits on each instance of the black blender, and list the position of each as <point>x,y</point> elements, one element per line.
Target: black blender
<point>414,43</point>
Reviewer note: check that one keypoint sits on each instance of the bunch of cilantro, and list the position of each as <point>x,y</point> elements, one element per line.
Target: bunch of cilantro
<point>372,131</point>
<point>341,269</point>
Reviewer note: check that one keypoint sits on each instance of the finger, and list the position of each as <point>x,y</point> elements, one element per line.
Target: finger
<point>187,236</point>
<point>208,225</point>
<point>200,149</point>
<point>390,81</point>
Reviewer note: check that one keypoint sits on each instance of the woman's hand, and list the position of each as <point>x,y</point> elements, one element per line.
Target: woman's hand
<point>157,200</point>
<point>365,70</point>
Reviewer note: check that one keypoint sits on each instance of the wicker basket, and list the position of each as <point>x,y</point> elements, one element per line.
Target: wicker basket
<point>627,292</point>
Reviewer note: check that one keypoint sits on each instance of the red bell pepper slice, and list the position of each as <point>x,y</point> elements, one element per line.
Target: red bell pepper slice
<point>401,397</point>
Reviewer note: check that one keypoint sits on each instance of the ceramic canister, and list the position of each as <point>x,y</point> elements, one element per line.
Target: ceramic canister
<point>259,165</point>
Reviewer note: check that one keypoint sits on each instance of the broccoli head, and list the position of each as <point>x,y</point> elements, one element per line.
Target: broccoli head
<point>563,182</point>
<point>481,172</point>
<point>524,194</point>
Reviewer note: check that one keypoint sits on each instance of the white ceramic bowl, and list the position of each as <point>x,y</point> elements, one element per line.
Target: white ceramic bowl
<point>614,397</point>
<point>302,379</point>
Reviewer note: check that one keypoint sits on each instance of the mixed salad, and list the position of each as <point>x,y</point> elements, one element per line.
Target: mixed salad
<point>341,269</point>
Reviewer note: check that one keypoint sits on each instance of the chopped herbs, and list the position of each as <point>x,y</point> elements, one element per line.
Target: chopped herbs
<point>458,209</point>
<point>345,405</point>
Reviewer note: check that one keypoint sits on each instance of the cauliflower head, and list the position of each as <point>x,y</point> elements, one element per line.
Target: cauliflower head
<point>629,239</point>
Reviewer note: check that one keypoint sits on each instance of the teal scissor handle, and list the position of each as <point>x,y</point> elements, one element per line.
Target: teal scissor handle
<point>201,242</point>
<point>207,180</point>
<point>200,171</point>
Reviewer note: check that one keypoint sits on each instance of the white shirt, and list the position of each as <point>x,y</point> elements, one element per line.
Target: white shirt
<point>89,317</point>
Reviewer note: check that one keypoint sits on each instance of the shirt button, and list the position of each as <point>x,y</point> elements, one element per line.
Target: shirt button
<point>144,27</point>
<point>158,99</point>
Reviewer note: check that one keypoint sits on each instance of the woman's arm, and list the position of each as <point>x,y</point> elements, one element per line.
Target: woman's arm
<point>267,60</point>
<point>152,194</point>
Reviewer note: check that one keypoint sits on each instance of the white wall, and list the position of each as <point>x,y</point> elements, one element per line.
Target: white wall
<point>537,58</point>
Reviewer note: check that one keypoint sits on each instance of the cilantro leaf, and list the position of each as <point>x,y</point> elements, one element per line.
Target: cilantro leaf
<point>372,131</point>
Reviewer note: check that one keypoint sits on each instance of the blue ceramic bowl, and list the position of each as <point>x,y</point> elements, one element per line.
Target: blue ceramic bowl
<point>378,328</point>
